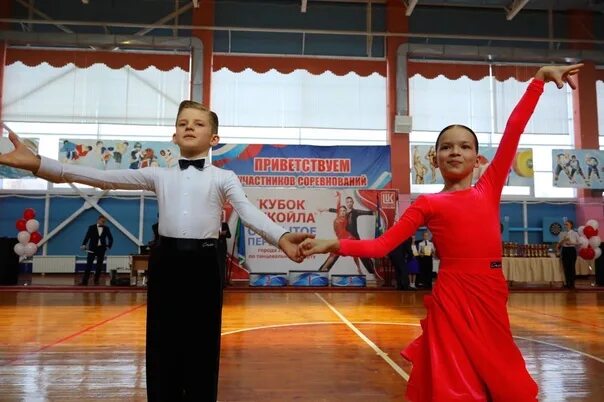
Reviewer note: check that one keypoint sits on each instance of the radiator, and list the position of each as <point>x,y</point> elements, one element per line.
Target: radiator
<point>53,264</point>
<point>121,263</point>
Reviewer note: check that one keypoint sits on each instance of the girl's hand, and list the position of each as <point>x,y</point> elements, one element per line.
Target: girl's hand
<point>318,246</point>
<point>559,74</point>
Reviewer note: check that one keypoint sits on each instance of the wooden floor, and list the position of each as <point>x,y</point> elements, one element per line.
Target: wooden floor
<point>280,346</point>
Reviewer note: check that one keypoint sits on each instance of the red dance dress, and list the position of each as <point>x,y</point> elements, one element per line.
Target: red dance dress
<point>466,351</point>
<point>339,227</point>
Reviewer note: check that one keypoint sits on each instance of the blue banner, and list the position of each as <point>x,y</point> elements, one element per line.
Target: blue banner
<point>305,166</point>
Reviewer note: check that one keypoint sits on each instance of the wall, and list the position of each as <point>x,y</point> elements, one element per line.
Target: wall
<point>126,211</point>
<point>69,239</point>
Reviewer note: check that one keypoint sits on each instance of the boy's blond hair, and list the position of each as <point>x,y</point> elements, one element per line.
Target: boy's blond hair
<point>189,104</point>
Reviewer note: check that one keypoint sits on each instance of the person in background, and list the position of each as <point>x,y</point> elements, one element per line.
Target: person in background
<point>569,240</point>
<point>97,241</point>
<point>413,264</point>
<point>399,258</point>
<point>426,252</point>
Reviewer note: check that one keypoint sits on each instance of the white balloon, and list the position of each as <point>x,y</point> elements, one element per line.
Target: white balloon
<point>580,230</point>
<point>32,225</point>
<point>30,249</point>
<point>593,223</point>
<point>23,237</point>
<point>19,249</point>
<point>598,252</point>
<point>594,241</point>
<point>583,242</point>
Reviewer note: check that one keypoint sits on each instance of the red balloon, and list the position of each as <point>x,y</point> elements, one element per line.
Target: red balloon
<point>587,253</point>
<point>35,237</point>
<point>589,231</point>
<point>21,224</point>
<point>29,213</point>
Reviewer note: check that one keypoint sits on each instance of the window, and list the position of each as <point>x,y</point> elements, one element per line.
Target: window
<point>300,108</point>
<point>439,102</point>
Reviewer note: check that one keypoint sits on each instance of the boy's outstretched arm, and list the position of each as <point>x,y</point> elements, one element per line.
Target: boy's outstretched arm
<point>21,157</point>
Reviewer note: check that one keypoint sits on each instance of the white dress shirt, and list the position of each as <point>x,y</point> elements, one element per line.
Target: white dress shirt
<point>427,248</point>
<point>99,229</point>
<point>569,238</point>
<point>190,201</point>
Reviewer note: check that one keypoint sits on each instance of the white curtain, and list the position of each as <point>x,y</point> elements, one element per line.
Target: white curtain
<point>97,94</point>
<point>436,103</point>
<point>551,116</point>
<point>299,100</point>
<point>439,102</point>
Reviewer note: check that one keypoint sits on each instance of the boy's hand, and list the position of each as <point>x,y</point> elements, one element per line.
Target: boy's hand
<point>318,246</point>
<point>289,244</point>
<point>559,74</point>
<point>21,157</point>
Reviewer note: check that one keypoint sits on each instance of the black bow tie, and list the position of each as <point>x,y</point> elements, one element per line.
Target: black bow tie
<point>196,163</point>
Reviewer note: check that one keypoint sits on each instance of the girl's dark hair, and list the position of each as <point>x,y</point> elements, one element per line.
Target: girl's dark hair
<point>460,126</point>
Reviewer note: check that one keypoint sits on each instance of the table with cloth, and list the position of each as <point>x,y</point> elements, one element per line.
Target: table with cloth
<point>542,269</point>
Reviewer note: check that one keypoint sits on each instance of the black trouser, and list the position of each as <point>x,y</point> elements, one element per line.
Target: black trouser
<point>184,287</point>
<point>397,257</point>
<point>569,258</point>
<point>425,271</point>
<point>99,254</point>
<point>222,261</point>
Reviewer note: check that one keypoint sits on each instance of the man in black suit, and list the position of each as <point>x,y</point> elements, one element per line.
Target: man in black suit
<point>426,252</point>
<point>399,258</point>
<point>97,241</point>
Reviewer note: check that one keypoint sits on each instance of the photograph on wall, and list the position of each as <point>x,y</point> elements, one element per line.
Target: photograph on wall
<point>6,146</point>
<point>425,171</point>
<point>118,154</point>
<point>578,168</point>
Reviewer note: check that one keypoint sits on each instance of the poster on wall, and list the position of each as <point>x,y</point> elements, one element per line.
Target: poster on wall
<point>425,171</point>
<point>578,168</point>
<point>305,166</point>
<point>326,213</point>
<point>6,146</point>
<point>118,154</point>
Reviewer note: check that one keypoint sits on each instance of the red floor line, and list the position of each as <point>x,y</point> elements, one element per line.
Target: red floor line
<point>78,333</point>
